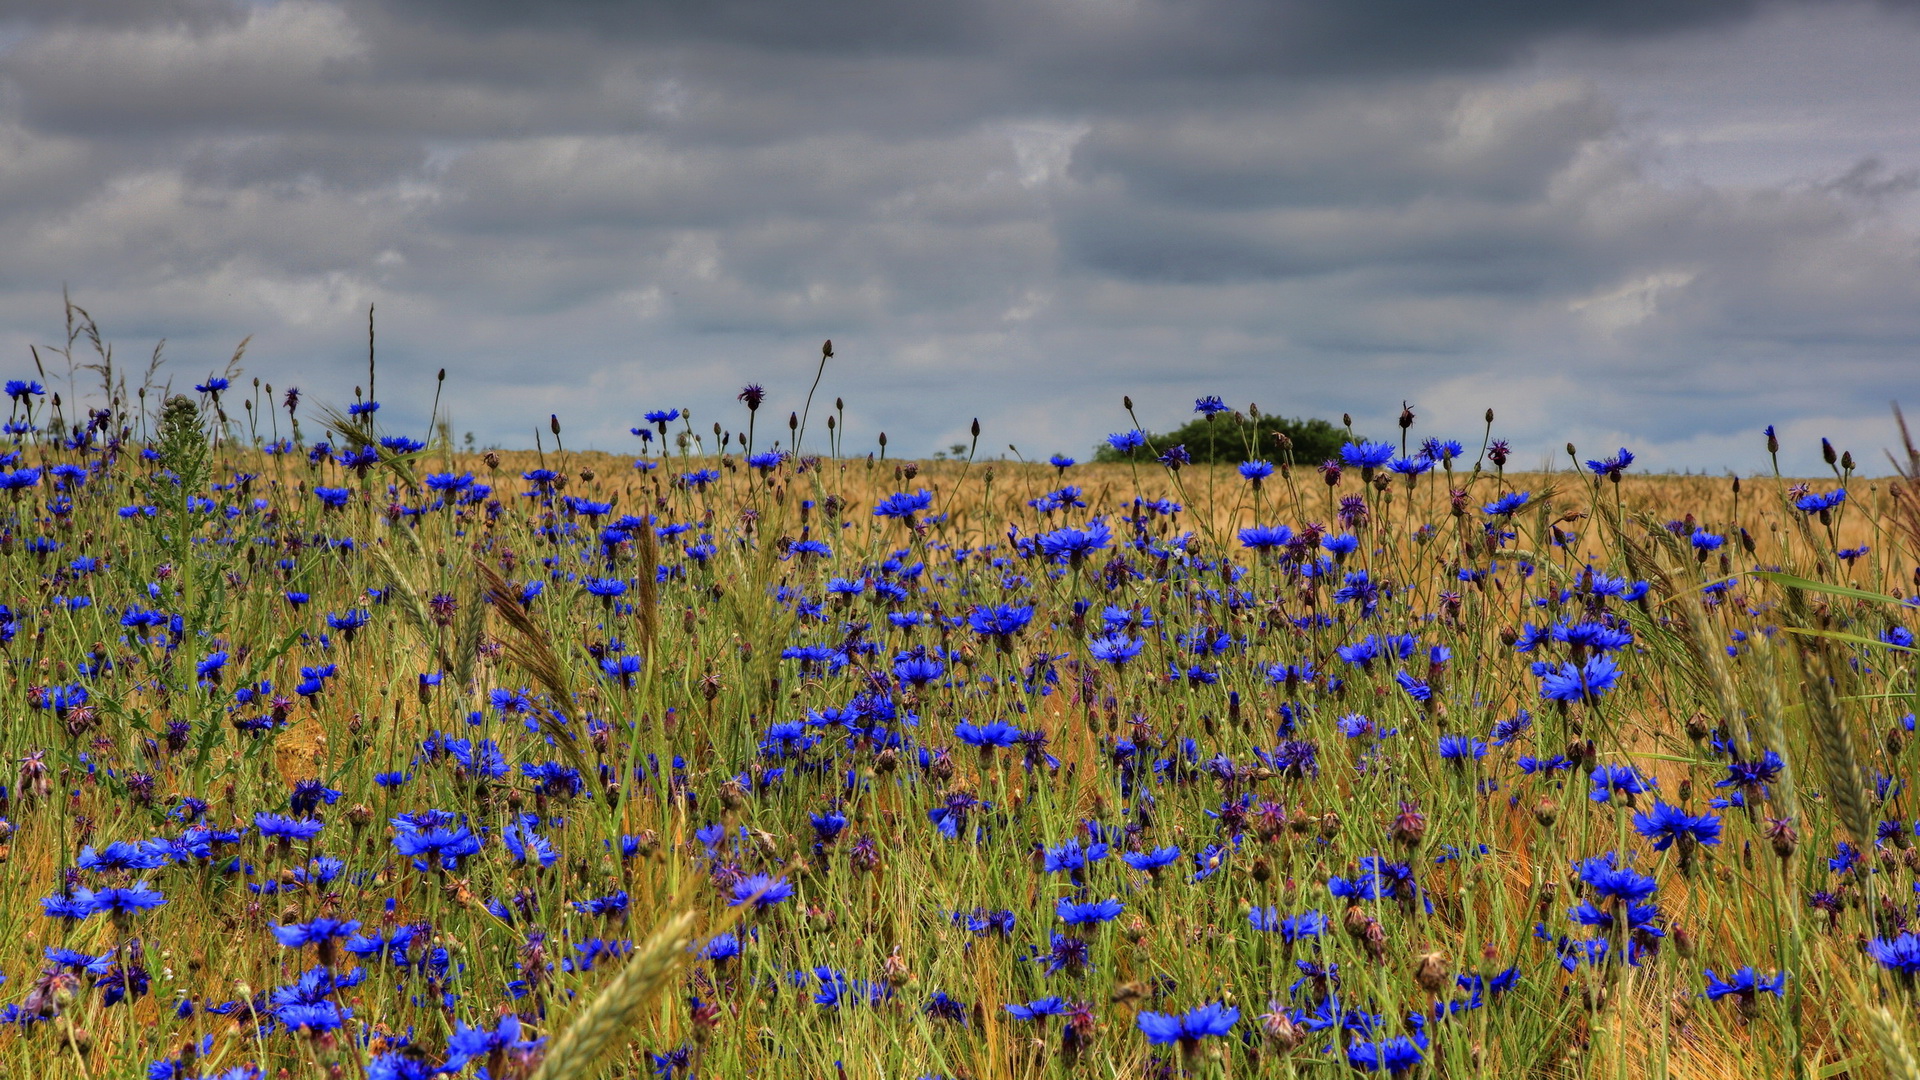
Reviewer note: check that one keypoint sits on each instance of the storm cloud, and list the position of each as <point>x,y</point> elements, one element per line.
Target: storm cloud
<point>1661,225</point>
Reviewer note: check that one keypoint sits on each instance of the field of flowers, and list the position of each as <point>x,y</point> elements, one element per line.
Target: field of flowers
<point>340,754</point>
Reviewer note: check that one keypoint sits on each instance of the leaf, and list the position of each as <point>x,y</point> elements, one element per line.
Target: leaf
<point>1857,639</point>
<point>1792,582</point>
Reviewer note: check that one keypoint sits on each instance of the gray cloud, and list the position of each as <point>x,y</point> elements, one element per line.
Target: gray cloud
<point>1016,211</point>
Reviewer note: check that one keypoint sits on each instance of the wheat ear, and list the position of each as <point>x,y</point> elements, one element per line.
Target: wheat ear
<point>1901,1064</point>
<point>573,1054</point>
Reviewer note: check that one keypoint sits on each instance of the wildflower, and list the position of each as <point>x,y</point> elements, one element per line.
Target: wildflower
<point>762,890</point>
<point>1038,1010</point>
<point>1745,984</point>
<point>997,733</point>
<point>1212,1019</point>
<point>1507,505</point>
<point>1115,649</point>
<point>1366,456</point>
<point>1152,861</point>
<point>434,847</point>
<point>1391,1056</point>
<point>121,900</point>
<point>1098,911</point>
<point>1900,954</point>
<point>1291,928</point>
<point>472,1043</point>
<point>1459,749</point>
<point>1128,441</point>
<point>1266,537</point>
<point>1071,858</point>
<point>1666,823</point>
<point>1624,779</point>
<point>1612,467</point>
<point>1586,682</point>
<point>902,505</point>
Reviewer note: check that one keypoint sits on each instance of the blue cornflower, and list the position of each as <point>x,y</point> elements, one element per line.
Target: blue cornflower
<point>1586,682</point>
<point>1818,504</point>
<point>917,668</point>
<point>1266,537</point>
<point>1624,779</point>
<point>1290,927</point>
<point>1461,749</point>
<point>1745,984</point>
<point>1152,861</point>
<point>1000,621</point>
<point>1606,875</point>
<point>286,829</point>
<point>1391,1056</point>
<point>1039,1010</point>
<point>526,845</point>
<point>1900,954</point>
<point>1256,471</point>
<point>121,900</point>
<point>317,932</point>
<point>1096,911</point>
<point>477,1044</point>
<point>1072,858</point>
<point>1507,505</point>
<point>997,733</point>
<point>1215,1018</point>
<point>1366,455</point>
<point>1666,823</point>
<point>437,847</point>
<point>1071,545</point>
<point>1210,405</point>
<point>770,890</point>
<point>1115,649</point>
<point>902,505</point>
<point>1612,467</point>
<point>1127,442</point>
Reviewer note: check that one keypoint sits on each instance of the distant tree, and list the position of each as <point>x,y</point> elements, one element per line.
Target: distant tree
<point>1228,438</point>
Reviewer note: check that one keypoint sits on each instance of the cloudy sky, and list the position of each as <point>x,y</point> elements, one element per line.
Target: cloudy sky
<point>1654,223</point>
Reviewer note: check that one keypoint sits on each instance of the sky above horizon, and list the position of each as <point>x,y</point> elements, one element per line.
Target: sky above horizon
<point>1660,225</point>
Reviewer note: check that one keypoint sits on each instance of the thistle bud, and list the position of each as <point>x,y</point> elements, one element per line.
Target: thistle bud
<point>1489,416</point>
<point>1430,972</point>
<point>1546,811</point>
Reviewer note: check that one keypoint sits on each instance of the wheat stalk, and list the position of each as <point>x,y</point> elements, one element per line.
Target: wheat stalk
<point>573,1054</point>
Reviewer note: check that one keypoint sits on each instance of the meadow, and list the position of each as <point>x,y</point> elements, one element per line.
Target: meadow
<point>335,752</point>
